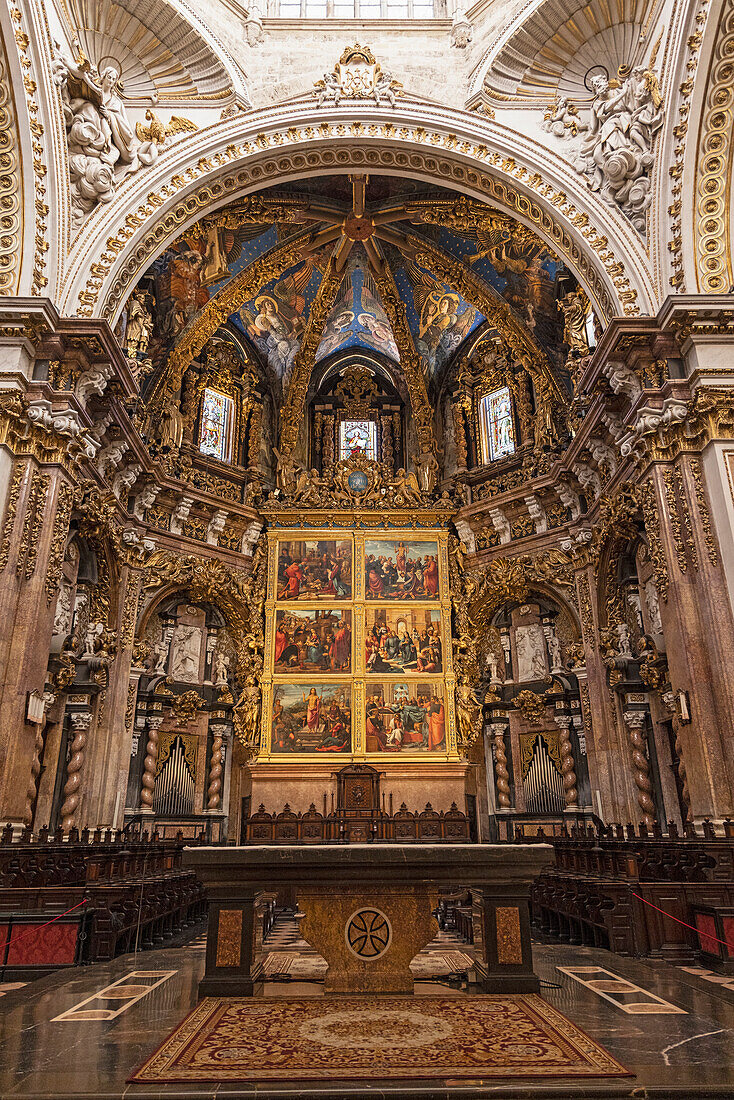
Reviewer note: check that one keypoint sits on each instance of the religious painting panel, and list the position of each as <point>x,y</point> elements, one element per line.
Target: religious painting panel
<point>397,569</point>
<point>314,640</point>
<point>311,717</point>
<point>405,717</point>
<point>403,640</point>
<point>314,569</point>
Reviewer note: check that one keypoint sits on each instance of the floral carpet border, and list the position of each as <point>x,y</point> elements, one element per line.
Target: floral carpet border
<point>377,1038</point>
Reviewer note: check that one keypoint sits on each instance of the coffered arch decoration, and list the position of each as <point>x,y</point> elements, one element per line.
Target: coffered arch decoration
<point>162,57</point>
<point>548,51</point>
<point>591,238</point>
<point>714,157</point>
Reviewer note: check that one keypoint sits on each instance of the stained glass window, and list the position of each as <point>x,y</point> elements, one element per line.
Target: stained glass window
<point>357,435</point>
<point>216,425</point>
<point>495,423</point>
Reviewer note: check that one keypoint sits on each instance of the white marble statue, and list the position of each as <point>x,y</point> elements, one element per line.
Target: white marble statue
<point>103,146</point>
<point>615,154</point>
<point>652,600</point>
<point>186,655</point>
<point>216,526</point>
<point>530,652</point>
<point>220,668</point>
<point>554,652</point>
<point>462,32</point>
<point>160,656</point>
<point>624,645</point>
<point>145,500</point>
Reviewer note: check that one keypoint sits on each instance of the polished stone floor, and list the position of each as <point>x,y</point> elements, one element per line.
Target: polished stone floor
<point>79,1033</point>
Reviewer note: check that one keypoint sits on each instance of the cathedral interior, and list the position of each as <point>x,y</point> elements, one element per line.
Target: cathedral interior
<point>366,548</point>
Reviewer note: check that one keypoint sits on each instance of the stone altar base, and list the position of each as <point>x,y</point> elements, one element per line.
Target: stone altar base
<point>369,950</point>
<point>368,909</point>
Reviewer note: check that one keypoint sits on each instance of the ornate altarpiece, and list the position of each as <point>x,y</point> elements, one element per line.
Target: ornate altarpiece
<point>358,534</point>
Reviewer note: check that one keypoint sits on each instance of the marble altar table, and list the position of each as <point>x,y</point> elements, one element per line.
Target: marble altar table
<point>368,909</point>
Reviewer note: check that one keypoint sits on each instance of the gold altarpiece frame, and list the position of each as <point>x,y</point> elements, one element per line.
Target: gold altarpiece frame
<point>357,681</point>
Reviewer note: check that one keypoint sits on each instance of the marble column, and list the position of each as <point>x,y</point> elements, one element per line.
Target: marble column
<point>501,774</point>
<point>80,722</point>
<point>635,721</point>
<point>149,765</point>
<point>568,766</point>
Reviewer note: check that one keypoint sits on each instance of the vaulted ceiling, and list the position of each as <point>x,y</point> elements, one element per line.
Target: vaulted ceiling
<point>321,267</point>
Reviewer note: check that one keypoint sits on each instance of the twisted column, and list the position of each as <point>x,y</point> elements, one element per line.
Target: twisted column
<point>568,764</point>
<point>80,723</point>
<point>151,756</point>
<point>682,773</point>
<point>635,723</point>
<point>501,774</point>
<point>214,799</point>
<point>32,788</point>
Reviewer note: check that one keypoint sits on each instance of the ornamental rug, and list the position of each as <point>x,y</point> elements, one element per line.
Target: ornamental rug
<point>330,1038</point>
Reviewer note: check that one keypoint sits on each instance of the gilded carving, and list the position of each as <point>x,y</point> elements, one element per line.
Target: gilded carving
<point>32,524</point>
<point>19,472</point>
<point>64,502</point>
<point>500,191</point>
<point>675,520</point>
<point>530,705</point>
<point>585,609</point>
<point>648,499</point>
<point>703,510</point>
<point>40,170</point>
<point>11,185</point>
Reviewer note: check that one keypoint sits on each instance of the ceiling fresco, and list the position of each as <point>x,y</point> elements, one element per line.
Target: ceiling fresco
<point>365,228</point>
<point>357,318</point>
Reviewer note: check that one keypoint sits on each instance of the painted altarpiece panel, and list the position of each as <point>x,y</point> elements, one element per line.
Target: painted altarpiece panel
<point>315,692</point>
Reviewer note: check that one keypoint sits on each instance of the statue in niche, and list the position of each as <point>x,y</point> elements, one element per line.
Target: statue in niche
<point>186,654</point>
<point>653,606</point>
<point>160,656</point>
<point>530,652</point>
<point>624,646</point>
<point>220,668</point>
<point>575,307</point>
<point>554,652</point>
<point>426,466</point>
<point>139,325</point>
<point>103,146</point>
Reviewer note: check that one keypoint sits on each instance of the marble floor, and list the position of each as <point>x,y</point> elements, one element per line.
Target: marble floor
<point>79,1033</point>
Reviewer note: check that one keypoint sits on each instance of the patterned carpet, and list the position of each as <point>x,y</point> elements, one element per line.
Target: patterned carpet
<point>378,1038</point>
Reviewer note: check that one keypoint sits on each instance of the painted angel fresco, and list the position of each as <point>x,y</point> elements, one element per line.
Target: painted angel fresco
<point>275,321</point>
<point>444,319</point>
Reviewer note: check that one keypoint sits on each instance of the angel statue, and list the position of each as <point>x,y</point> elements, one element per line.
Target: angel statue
<point>406,490</point>
<point>103,146</point>
<point>468,713</point>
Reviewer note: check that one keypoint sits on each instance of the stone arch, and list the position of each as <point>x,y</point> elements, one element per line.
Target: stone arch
<point>487,162</point>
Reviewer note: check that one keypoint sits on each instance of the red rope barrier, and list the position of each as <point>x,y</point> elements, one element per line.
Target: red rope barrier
<point>37,928</point>
<point>684,923</point>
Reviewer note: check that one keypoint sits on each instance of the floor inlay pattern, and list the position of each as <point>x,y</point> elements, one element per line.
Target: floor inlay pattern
<point>724,981</point>
<point>631,998</point>
<point>114,999</point>
<point>238,1039</point>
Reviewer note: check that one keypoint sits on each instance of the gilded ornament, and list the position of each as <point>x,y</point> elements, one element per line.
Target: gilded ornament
<point>11,508</point>
<point>185,708</point>
<point>64,503</point>
<point>530,705</point>
<point>708,534</point>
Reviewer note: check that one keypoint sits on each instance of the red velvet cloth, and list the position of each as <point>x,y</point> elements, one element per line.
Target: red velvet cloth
<point>50,946</point>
